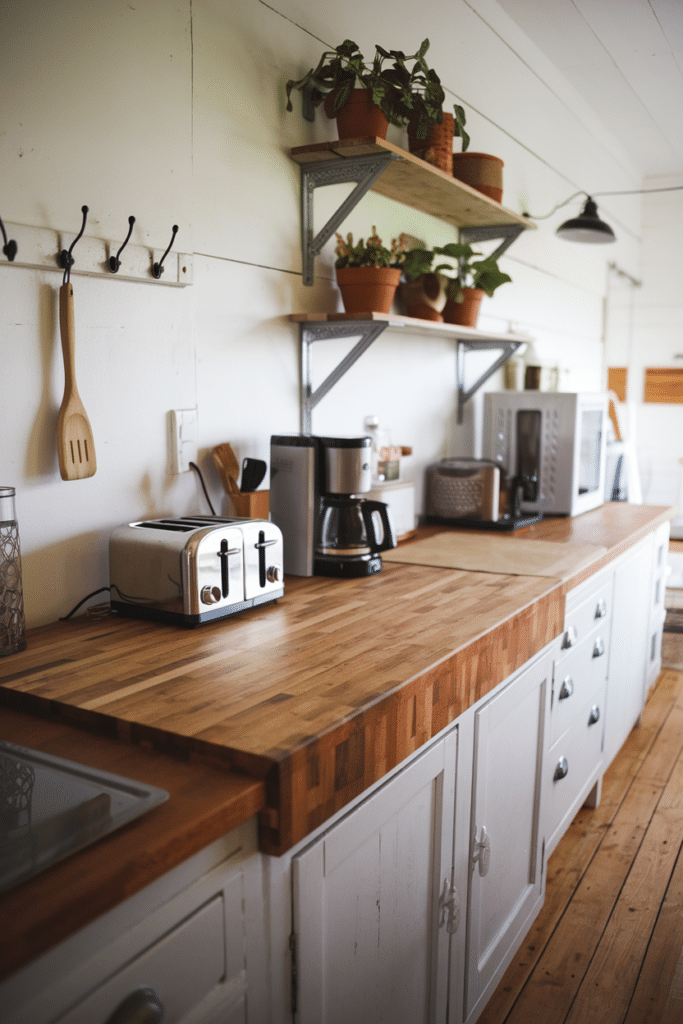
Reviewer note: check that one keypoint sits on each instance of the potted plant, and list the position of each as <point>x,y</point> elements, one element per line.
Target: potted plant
<point>469,280</point>
<point>352,88</point>
<point>480,170</point>
<point>437,146</point>
<point>422,290</point>
<point>368,273</point>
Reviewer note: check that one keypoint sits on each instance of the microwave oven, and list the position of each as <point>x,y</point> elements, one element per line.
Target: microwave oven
<point>553,444</point>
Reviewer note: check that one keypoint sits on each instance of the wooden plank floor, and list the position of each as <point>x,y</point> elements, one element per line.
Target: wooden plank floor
<point>607,947</point>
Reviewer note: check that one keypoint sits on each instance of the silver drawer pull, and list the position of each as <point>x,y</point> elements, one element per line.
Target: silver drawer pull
<point>142,1006</point>
<point>561,769</point>
<point>601,609</point>
<point>570,637</point>
<point>594,715</point>
<point>599,648</point>
<point>567,688</point>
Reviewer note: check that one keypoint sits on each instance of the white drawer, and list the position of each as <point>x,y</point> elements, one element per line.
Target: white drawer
<point>182,969</point>
<point>572,765</point>
<point>578,681</point>
<point>582,620</point>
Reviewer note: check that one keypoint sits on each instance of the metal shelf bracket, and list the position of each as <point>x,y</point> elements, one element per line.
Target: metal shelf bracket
<point>506,349</point>
<point>508,232</point>
<point>364,170</point>
<point>369,331</point>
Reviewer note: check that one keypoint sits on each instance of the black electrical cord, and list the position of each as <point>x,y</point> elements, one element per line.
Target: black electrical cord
<point>198,471</point>
<point>628,192</point>
<point>63,618</point>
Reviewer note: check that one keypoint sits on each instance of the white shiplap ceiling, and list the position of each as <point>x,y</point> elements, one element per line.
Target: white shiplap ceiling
<point>625,57</point>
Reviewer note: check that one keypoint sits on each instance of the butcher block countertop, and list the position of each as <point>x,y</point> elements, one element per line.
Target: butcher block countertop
<point>299,705</point>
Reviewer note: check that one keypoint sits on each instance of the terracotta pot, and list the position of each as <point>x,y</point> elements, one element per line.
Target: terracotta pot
<point>465,313</point>
<point>425,297</point>
<point>482,171</point>
<point>368,289</point>
<point>437,148</point>
<point>359,118</point>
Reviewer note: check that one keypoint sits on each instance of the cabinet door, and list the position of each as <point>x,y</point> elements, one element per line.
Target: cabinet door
<point>629,645</point>
<point>507,871</point>
<point>373,908</point>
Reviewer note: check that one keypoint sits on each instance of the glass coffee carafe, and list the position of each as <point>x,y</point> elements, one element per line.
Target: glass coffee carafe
<point>352,533</point>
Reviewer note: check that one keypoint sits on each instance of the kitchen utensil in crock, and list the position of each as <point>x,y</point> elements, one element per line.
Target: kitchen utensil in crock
<point>75,442</point>
<point>228,467</point>
<point>253,472</point>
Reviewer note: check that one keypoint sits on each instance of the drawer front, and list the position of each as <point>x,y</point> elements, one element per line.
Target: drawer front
<point>571,763</point>
<point>189,966</point>
<point>586,618</point>
<point>578,682</point>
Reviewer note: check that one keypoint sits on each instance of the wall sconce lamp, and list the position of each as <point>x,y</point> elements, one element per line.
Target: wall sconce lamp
<point>588,227</point>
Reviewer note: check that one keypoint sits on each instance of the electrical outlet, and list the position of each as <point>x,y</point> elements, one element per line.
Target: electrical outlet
<point>183,439</point>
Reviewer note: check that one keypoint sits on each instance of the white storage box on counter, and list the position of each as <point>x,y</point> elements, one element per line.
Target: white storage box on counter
<point>399,495</point>
<point>193,569</point>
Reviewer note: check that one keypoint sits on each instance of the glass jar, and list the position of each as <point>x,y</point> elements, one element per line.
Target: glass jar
<point>12,623</point>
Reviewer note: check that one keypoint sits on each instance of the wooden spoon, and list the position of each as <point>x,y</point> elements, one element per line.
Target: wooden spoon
<point>228,467</point>
<point>75,442</point>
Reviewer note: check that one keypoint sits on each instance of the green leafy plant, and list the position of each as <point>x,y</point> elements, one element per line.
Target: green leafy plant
<point>371,253</point>
<point>460,119</point>
<point>463,270</point>
<point>406,89</point>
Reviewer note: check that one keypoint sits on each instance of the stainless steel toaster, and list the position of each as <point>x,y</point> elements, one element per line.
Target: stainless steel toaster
<point>194,569</point>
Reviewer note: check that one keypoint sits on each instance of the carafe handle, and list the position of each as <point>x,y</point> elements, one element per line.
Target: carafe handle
<point>389,540</point>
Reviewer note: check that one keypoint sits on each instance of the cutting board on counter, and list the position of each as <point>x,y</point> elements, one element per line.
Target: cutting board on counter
<point>496,553</point>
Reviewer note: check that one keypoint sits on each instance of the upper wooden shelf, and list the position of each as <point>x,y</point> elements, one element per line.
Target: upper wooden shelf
<point>410,180</point>
<point>410,323</point>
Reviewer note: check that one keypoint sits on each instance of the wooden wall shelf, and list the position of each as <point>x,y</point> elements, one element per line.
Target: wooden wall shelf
<point>379,166</point>
<point>368,326</point>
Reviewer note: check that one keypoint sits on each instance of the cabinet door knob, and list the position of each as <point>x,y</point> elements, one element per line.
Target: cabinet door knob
<point>599,648</point>
<point>561,769</point>
<point>482,851</point>
<point>142,1006</point>
<point>594,715</point>
<point>601,609</point>
<point>567,688</point>
<point>570,637</point>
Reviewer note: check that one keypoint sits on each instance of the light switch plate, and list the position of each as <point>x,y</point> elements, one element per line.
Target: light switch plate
<point>183,439</point>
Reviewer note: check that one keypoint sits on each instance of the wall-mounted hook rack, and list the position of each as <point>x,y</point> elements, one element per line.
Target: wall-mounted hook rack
<point>37,247</point>
<point>114,261</point>
<point>65,259</point>
<point>10,246</point>
<point>157,268</point>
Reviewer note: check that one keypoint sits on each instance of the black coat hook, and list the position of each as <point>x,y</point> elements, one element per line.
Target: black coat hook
<point>157,268</point>
<point>9,248</point>
<point>114,261</point>
<point>65,259</point>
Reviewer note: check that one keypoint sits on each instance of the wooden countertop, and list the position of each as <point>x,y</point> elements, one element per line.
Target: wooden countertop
<point>315,698</point>
<point>323,692</point>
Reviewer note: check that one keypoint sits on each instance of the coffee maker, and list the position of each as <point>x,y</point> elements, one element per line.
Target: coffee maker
<point>316,488</point>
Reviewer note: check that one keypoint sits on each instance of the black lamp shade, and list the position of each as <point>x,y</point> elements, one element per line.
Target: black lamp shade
<point>587,227</point>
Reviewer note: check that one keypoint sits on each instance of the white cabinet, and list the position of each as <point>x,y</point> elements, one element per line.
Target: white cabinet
<point>574,759</point>
<point>629,644</point>
<point>660,572</point>
<point>374,902</point>
<point>507,872</point>
<point>177,952</point>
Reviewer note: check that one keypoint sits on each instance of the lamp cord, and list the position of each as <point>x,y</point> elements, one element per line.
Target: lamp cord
<point>628,192</point>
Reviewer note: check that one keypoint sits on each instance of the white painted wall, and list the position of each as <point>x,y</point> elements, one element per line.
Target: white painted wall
<point>175,112</point>
<point>647,330</point>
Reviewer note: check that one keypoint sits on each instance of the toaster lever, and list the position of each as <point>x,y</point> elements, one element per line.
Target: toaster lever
<point>224,554</point>
<point>261,546</point>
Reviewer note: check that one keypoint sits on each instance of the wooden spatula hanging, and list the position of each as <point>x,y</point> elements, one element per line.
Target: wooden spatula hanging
<point>75,442</point>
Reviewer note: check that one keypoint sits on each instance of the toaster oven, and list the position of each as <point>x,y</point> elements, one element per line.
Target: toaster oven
<point>193,569</point>
<point>553,443</point>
